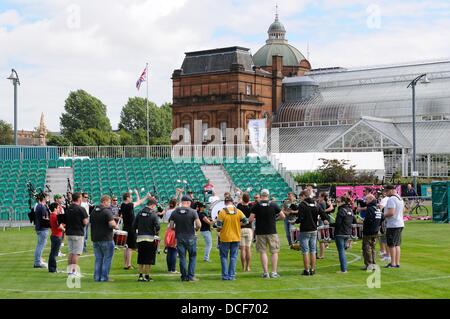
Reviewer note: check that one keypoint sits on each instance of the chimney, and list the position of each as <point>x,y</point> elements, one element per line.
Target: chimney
<point>277,79</point>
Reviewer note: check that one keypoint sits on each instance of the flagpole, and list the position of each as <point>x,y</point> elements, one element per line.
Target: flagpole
<point>148,134</point>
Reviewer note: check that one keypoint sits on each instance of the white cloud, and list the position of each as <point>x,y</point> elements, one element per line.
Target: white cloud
<point>102,46</point>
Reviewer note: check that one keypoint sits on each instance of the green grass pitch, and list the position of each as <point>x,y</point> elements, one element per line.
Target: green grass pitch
<point>424,273</point>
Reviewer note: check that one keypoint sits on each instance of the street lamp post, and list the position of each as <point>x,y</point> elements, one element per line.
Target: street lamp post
<point>413,87</point>
<point>14,77</point>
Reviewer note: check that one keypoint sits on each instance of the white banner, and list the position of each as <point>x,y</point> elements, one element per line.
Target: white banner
<point>258,136</point>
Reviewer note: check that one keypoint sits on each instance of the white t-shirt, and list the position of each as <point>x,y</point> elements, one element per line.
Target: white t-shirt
<point>213,199</point>
<point>383,202</point>
<point>85,205</point>
<point>395,221</point>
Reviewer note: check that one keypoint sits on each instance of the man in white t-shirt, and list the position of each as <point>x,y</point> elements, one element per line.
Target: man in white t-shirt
<point>384,251</point>
<point>393,212</point>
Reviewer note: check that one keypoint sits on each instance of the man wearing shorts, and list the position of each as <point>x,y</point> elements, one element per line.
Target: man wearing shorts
<point>76,218</point>
<point>146,225</point>
<point>266,213</point>
<point>308,213</point>
<point>393,213</point>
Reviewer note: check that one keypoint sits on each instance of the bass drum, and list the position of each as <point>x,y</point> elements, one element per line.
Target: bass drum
<point>215,208</point>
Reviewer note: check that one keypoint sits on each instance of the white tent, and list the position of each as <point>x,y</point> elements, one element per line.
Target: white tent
<point>303,162</point>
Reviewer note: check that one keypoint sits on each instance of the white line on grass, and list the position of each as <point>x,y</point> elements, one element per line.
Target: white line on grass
<point>234,292</point>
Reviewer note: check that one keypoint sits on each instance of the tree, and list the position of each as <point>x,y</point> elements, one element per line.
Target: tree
<point>334,170</point>
<point>56,140</point>
<point>6,133</point>
<point>83,111</point>
<point>133,119</point>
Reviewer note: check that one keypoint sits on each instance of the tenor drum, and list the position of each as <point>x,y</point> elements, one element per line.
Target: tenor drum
<point>325,233</point>
<point>357,231</point>
<point>120,237</point>
<point>215,208</point>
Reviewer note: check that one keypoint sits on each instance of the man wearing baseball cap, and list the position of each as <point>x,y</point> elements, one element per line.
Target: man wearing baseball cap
<point>266,213</point>
<point>185,221</point>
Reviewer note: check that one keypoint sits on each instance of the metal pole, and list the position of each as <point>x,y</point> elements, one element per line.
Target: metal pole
<point>15,113</point>
<point>414,135</point>
<point>148,134</point>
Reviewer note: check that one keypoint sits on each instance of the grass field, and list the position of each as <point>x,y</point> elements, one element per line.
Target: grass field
<point>424,273</point>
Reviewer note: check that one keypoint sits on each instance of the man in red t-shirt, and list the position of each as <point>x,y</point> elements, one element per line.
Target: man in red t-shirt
<point>208,188</point>
<point>56,237</point>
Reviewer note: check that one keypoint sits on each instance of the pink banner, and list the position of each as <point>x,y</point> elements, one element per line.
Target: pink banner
<point>358,190</point>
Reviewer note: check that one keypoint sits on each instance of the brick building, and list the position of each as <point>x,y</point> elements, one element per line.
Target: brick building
<point>227,87</point>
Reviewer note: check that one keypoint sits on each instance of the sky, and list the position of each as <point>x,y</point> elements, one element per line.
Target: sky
<point>102,46</point>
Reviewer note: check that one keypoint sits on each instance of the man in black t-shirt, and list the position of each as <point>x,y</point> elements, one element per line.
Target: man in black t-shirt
<point>205,229</point>
<point>75,218</point>
<point>102,225</point>
<point>185,221</point>
<point>126,212</point>
<point>41,225</point>
<point>246,233</point>
<point>266,213</point>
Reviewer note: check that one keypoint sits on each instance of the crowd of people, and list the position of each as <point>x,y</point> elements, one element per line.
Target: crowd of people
<point>239,224</point>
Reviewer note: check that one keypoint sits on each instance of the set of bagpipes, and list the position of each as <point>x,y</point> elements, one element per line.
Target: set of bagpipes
<point>35,195</point>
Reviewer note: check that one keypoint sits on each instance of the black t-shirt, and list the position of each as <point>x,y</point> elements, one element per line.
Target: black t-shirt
<point>127,213</point>
<point>99,219</point>
<point>74,220</point>
<point>147,222</point>
<point>41,221</point>
<point>246,209</point>
<point>205,226</point>
<point>266,215</point>
<point>184,218</point>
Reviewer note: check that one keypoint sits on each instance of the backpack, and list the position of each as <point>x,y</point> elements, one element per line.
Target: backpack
<point>169,238</point>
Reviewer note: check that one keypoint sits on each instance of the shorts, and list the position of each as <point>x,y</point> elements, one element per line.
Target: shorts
<point>146,253</point>
<point>75,244</point>
<point>246,237</point>
<point>308,242</point>
<point>394,236</point>
<point>262,241</point>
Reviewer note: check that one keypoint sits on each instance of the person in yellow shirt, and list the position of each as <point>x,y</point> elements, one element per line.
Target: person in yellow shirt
<point>229,223</point>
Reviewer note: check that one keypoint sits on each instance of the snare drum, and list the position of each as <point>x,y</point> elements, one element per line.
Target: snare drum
<point>325,233</point>
<point>357,231</point>
<point>120,237</point>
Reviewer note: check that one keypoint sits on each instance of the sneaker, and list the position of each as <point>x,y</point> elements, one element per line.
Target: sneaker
<point>266,275</point>
<point>148,278</point>
<point>341,272</point>
<point>40,266</point>
<point>207,260</point>
<point>274,275</point>
<point>312,272</point>
<point>305,273</point>
<point>174,272</point>
<point>390,266</point>
<point>141,278</point>
<point>194,279</point>
<point>398,266</point>
<point>364,268</point>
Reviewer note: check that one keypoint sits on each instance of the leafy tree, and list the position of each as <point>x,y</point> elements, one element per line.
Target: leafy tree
<point>6,133</point>
<point>56,140</point>
<point>83,111</point>
<point>334,170</point>
<point>125,137</point>
<point>133,120</point>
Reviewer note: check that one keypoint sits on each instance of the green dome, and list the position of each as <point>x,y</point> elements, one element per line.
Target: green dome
<point>291,55</point>
<point>276,26</point>
<point>277,44</point>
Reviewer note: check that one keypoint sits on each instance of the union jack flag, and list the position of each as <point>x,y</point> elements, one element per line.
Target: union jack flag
<point>141,79</point>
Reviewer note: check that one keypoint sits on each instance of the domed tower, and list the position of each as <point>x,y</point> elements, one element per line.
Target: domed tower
<point>294,62</point>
